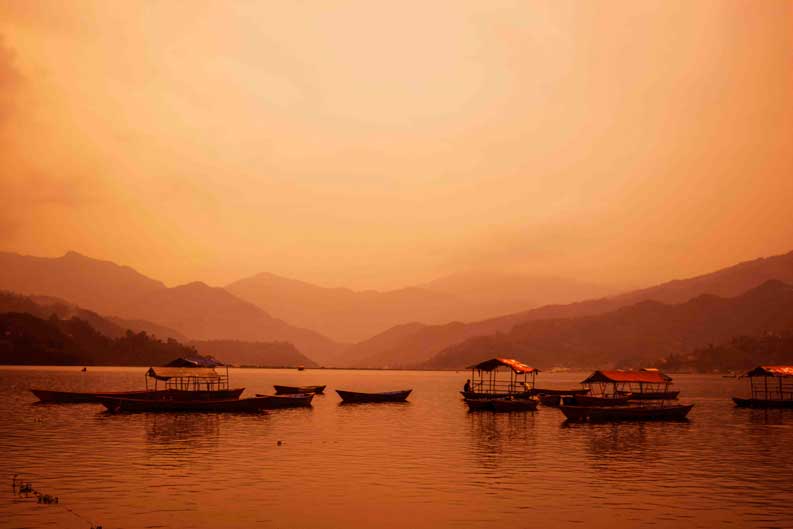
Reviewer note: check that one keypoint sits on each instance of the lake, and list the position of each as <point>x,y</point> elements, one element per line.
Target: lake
<point>426,463</point>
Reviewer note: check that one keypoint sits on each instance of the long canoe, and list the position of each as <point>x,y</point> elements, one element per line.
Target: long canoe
<point>588,400</point>
<point>253,404</point>
<point>502,405</point>
<point>72,397</point>
<point>297,400</point>
<point>292,390</point>
<point>388,396</point>
<point>626,413</point>
<point>762,403</point>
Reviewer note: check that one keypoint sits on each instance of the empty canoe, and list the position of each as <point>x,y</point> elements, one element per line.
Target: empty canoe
<point>387,396</point>
<point>551,400</point>
<point>297,400</point>
<point>291,390</point>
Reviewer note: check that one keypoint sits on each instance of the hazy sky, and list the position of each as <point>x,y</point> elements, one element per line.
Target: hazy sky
<point>375,144</point>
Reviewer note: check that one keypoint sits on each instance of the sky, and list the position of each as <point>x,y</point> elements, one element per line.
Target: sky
<point>381,144</point>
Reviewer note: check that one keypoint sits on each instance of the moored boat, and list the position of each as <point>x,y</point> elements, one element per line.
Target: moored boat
<point>617,387</point>
<point>386,396</point>
<point>771,387</point>
<point>552,401</point>
<point>762,403</point>
<point>72,397</point>
<point>652,395</point>
<point>291,390</point>
<point>293,400</point>
<point>253,404</point>
<point>502,404</point>
<point>561,392</point>
<point>488,381</point>
<point>593,400</point>
<point>640,412</point>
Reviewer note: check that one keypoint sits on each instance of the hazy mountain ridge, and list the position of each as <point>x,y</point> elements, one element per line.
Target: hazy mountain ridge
<point>417,346</point>
<point>350,315</point>
<point>645,331</point>
<point>48,330</point>
<point>195,310</point>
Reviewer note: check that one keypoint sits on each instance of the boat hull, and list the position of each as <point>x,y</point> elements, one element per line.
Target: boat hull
<point>502,405</point>
<point>762,403</point>
<point>625,413</point>
<point>479,395</point>
<point>540,391</point>
<point>296,400</point>
<point>294,390</point>
<point>551,400</point>
<point>390,396</point>
<point>117,405</point>
<point>71,397</point>
<point>655,395</point>
<point>588,400</point>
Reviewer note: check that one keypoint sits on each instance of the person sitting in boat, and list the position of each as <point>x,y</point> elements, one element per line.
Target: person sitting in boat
<point>467,386</point>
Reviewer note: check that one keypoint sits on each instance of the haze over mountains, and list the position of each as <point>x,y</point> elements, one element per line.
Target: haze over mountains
<point>350,316</point>
<point>249,310</point>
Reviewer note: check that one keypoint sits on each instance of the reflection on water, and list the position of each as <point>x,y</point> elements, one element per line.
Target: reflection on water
<point>424,463</point>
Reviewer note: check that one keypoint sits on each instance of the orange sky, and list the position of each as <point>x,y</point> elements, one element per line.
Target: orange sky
<point>375,144</point>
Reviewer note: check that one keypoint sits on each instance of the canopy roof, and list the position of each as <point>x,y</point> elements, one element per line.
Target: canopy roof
<point>495,363</point>
<point>771,371</point>
<point>167,373</point>
<point>619,376</point>
<point>196,361</point>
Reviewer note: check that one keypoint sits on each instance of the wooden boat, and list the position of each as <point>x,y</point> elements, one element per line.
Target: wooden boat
<point>294,400</point>
<point>607,400</point>
<point>253,404</point>
<point>762,403</point>
<point>291,390</point>
<point>551,400</point>
<point>301,368</point>
<point>500,378</point>
<point>540,391</point>
<point>502,404</point>
<point>496,395</point>
<point>388,396</point>
<point>652,395</point>
<point>72,397</point>
<point>771,387</point>
<point>626,413</point>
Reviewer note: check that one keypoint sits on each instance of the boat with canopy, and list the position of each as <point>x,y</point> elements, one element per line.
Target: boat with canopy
<point>611,393</point>
<point>771,387</point>
<point>182,379</point>
<point>501,384</point>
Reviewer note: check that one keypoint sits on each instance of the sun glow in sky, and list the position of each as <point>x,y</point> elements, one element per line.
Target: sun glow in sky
<point>377,144</point>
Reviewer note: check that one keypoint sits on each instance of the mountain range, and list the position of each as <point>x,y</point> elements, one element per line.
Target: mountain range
<point>36,329</point>
<point>638,334</point>
<point>412,345</point>
<point>250,310</point>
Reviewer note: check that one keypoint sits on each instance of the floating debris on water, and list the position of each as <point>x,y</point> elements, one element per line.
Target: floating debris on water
<point>25,489</point>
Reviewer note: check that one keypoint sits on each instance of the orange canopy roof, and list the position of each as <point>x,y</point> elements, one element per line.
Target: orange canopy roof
<point>771,371</point>
<point>495,363</point>
<point>619,376</point>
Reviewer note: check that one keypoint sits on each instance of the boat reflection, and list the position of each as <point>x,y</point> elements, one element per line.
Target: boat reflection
<point>495,436</point>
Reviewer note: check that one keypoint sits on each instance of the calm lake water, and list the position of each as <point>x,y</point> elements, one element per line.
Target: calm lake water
<point>427,463</point>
